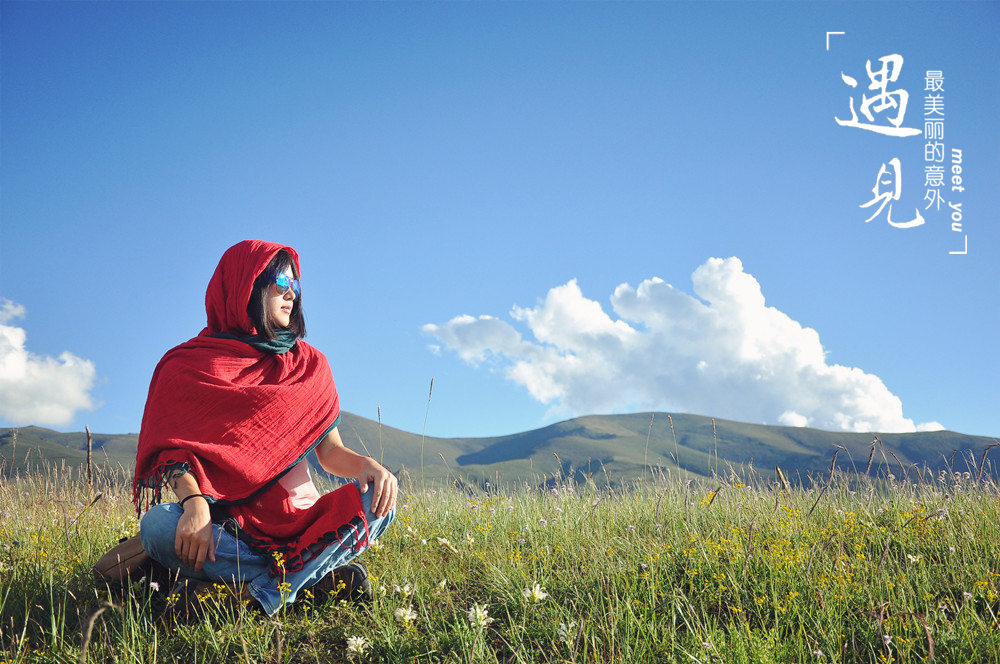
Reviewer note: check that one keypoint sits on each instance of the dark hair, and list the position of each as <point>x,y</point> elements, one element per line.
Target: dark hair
<point>256,309</point>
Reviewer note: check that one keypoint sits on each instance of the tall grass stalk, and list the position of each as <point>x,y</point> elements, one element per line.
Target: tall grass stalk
<point>423,430</point>
<point>645,453</point>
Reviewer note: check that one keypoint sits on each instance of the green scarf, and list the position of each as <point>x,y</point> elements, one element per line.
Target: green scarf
<point>284,342</point>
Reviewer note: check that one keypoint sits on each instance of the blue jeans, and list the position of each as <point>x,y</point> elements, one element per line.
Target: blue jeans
<point>236,563</point>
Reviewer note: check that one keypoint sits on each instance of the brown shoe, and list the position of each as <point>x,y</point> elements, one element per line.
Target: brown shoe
<point>349,582</point>
<point>190,598</point>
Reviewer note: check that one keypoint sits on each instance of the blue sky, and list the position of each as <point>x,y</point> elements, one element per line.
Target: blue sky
<point>550,209</point>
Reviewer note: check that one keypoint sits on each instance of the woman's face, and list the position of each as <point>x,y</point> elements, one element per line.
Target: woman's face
<point>279,307</point>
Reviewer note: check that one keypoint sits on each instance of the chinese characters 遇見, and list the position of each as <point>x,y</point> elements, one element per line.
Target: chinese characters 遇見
<point>886,99</point>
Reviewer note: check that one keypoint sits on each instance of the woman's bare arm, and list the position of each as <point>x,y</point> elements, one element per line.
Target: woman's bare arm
<point>340,460</point>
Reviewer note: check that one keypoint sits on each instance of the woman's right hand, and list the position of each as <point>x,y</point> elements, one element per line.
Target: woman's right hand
<point>194,541</point>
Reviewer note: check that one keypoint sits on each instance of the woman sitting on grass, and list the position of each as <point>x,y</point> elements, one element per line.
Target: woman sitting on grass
<point>229,420</point>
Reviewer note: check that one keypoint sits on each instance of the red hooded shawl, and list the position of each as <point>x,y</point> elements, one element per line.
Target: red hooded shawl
<point>239,418</point>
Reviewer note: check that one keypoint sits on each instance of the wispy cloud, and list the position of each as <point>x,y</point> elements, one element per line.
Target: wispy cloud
<point>723,353</point>
<point>35,389</point>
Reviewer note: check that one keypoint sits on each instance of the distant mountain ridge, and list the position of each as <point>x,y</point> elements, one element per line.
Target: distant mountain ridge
<point>610,448</point>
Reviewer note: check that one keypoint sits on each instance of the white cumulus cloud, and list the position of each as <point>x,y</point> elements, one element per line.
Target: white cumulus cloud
<point>723,353</point>
<point>34,389</point>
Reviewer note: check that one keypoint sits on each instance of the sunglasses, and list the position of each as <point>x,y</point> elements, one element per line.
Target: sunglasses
<point>282,282</point>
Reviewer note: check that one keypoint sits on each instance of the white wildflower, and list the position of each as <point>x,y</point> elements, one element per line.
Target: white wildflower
<point>406,614</point>
<point>447,544</point>
<point>535,594</point>
<point>479,617</point>
<point>356,645</point>
<point>565,630</point>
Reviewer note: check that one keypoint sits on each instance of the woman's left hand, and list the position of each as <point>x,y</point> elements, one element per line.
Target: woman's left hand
<point>385,486</point>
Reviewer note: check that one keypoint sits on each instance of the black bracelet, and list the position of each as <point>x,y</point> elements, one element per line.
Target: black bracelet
<point>193,495</point>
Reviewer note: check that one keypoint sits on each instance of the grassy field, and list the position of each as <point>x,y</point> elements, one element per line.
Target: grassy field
<point>667,570</point>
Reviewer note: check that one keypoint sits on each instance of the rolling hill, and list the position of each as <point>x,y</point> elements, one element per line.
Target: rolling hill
<point>609,448</point>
